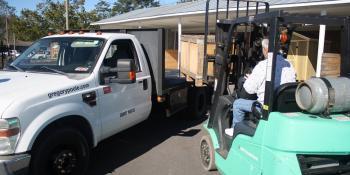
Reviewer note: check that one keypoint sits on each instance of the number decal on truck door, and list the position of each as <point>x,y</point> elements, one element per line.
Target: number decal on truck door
<point>125,113</point>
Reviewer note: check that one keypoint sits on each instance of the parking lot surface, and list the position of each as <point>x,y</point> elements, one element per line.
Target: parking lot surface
<point>158,146</point>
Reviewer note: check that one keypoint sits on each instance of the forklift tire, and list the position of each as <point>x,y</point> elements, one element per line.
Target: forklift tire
<point>207,153</point>
<point>197,102</point>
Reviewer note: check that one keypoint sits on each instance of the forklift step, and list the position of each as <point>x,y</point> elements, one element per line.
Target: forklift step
<point>222,153</point>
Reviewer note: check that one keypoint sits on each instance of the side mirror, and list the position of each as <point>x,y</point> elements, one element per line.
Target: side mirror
<point>126,71</point>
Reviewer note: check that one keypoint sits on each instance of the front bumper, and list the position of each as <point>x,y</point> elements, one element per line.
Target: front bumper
<point>15,164</point>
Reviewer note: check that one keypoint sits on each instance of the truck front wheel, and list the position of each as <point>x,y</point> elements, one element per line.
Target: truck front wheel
<point>63,151</point>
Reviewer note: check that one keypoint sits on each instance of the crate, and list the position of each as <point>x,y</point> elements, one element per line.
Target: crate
<point>192,57</point>
<point>303,56</point>
<point>171,59</point>
<point>330,65</point>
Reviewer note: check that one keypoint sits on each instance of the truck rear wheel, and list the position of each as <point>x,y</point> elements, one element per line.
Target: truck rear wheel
<point>197,102</point>
<point>207,153</point>
<point>63,151</point>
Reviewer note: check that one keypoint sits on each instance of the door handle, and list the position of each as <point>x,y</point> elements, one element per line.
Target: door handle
<point>144,84</point>
<point>90,98</point>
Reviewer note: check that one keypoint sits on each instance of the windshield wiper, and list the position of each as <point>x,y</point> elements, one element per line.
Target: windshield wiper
<point>17,68</point>
<point>54,70</point>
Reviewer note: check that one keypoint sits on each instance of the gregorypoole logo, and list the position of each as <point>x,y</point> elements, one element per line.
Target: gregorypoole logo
<point>4,80</point>
<point>67,91</point>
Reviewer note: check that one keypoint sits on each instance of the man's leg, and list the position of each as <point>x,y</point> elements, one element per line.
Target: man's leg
<point>240,107</point>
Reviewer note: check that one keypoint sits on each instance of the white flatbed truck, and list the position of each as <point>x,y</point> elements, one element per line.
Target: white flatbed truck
<point>88,87</point>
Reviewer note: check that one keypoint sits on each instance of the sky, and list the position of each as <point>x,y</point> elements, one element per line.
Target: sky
<point>89,4</point>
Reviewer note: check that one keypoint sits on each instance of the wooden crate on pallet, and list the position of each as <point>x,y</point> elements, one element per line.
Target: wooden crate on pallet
<point>330,65</point>
<point>171,59</point>
<point>303,55</point>
<point>192,57</point>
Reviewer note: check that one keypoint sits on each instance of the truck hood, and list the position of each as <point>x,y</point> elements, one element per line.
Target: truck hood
<point>21,86</point>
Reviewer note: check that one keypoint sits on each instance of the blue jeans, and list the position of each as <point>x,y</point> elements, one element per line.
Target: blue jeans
<point>240,107</point>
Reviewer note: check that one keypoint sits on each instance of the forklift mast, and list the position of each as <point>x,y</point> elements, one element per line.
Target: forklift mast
<point>224,37</point>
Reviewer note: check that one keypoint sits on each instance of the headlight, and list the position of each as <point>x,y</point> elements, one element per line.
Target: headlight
<point>9,134</point>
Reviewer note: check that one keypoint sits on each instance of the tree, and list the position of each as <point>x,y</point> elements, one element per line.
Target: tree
<point>182,1</point>
<point>6,15</point>
<point>103,9</point>
<point>123,6</point>
<point>29,26</point>
<point>49,16</point>
<point>5,9</point>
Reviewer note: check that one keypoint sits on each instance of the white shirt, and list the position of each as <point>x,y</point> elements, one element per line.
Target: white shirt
<point>255,83</point>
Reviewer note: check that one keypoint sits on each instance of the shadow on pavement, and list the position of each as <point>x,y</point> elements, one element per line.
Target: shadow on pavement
<point>131,143</point>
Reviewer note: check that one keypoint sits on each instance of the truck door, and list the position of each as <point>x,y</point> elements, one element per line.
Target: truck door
<point>120,104</point>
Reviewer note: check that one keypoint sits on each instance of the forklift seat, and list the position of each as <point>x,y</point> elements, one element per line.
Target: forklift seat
<point>284,102</point>
<point>285,98</point>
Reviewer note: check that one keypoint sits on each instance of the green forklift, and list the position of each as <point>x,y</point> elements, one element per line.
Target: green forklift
<point>303,128</point>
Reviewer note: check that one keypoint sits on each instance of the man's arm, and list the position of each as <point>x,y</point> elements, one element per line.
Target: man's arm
<point>290,74</point>
<point>255,79</point>
<point>240,83</point>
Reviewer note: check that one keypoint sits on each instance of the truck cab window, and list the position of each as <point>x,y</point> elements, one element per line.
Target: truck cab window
<point>121,49</point>
<point>61,54</point>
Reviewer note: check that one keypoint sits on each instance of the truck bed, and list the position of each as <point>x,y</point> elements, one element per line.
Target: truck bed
<point>173,80</point>
<point>152,40</point>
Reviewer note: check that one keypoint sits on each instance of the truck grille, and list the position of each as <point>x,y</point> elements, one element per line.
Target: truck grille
<point>324,164</point>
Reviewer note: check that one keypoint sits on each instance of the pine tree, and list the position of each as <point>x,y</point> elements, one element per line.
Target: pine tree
<point>49,16</point>
<point>6,14</point>
<point>123,6</point>
<point>182,1</point>
<point>103,9</point>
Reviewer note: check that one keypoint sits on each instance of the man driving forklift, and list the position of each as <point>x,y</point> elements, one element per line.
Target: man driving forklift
<point>255,84</point>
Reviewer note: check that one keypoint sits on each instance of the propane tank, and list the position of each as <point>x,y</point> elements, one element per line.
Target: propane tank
<point>324,95</point>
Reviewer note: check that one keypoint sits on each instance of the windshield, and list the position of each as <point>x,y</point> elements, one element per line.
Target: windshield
<point>66,55</point>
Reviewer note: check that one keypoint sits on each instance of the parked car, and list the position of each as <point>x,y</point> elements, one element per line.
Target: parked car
<point>14,53</point>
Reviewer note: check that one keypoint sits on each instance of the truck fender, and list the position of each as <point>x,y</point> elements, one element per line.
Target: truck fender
<point>55,113</point>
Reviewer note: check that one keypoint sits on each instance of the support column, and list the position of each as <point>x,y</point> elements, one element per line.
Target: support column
<point>179,34</point>
<point>320,46</point>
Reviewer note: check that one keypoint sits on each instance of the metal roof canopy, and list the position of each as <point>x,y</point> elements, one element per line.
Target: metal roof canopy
<point>191,15</point>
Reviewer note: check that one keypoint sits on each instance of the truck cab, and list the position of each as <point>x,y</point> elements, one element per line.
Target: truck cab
<point>84,88</point>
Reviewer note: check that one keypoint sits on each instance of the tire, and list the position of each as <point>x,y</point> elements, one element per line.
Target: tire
<point>207,153</point>
<point>63,151</point>
<point>198,102</point>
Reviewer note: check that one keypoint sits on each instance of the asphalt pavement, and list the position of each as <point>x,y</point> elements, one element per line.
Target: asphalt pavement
<point>157,146</point>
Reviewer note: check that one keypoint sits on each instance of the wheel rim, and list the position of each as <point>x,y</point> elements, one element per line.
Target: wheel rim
<point>64,162</point>
<point>205,153</point>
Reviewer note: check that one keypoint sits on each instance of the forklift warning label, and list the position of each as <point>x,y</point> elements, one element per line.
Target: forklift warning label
<point>67,91</point>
